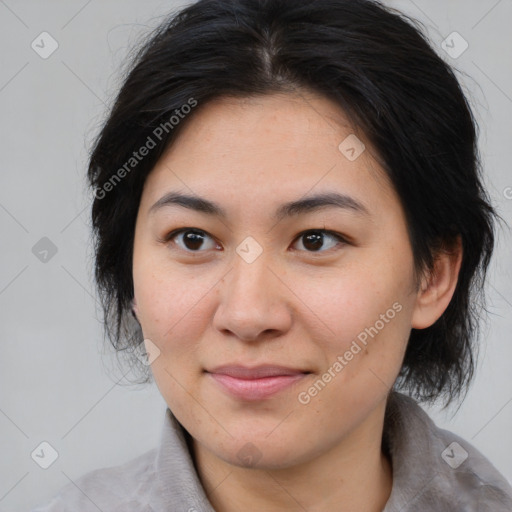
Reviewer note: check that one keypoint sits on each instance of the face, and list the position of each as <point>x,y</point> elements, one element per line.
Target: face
<point>323,288</point>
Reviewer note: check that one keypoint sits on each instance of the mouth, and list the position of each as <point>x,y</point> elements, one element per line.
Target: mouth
<point>256,383</point>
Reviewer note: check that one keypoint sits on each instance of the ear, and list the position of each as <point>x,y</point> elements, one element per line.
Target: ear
<point>437,289</point>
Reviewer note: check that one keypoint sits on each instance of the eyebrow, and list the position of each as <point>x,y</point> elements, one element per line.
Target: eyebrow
<point>298,207</point>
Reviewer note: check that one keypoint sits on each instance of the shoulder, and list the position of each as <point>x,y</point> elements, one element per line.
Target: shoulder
<point>125,487</point>
<point>465,477</point>
<point>436,469</point>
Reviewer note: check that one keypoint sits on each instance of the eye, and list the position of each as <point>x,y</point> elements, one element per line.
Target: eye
<point>192,239</point>
<point>314,239</point>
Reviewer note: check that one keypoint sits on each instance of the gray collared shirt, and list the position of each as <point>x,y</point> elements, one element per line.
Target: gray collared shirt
<point>434,470</point>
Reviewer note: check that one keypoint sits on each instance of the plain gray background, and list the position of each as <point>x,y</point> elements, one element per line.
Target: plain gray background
<point>58,380</point>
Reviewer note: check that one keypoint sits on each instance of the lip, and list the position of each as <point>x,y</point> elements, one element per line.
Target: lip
<point>255,372</point>
<point>256,383</point>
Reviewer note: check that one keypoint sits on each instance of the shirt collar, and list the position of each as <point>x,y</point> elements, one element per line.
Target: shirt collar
<point>406,439</point>
<point>180,487</point>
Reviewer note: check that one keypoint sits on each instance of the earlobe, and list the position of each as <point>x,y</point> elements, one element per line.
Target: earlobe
<point>437,288</point>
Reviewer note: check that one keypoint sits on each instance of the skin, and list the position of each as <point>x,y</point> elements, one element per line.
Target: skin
<point>203,305</point>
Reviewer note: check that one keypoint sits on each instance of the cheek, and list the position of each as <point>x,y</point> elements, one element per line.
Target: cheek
<point>174,311</point>
<point>361,315</point>
<point>174,305</point>
<point>345,302</point>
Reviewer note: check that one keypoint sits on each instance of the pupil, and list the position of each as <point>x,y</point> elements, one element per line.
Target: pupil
<point>194,238</point>
<point>316,241</point>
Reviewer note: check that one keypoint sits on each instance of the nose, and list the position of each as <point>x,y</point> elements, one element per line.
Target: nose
<point>254,302</point>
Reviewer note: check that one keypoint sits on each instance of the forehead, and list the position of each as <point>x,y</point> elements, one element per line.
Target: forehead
<point>259,148</point>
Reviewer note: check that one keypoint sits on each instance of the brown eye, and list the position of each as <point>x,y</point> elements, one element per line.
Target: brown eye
<point>191,240</point>
<point>315,240</point>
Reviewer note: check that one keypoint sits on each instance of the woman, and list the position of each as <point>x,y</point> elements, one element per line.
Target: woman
<point>291,233</point>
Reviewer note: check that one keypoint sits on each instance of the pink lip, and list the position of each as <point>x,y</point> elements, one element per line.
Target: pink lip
<point>255,383</point>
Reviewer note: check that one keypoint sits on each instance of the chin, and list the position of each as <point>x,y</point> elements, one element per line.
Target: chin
<point>260,452</point>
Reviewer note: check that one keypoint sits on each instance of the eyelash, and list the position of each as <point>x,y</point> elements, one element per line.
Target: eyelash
<point>169,237</point>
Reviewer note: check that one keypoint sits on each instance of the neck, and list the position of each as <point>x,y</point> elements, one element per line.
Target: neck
<point>354,475</point>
